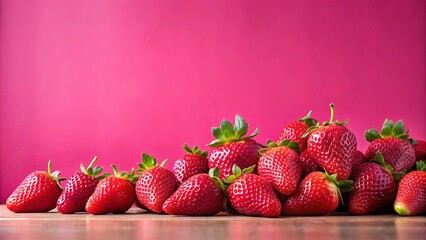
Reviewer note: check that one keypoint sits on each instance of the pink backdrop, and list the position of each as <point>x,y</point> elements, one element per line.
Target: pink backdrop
<point>80,78</point>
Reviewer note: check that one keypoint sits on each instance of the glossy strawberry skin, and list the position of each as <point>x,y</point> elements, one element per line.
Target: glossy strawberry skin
<point>76,193</point>
<point>294,132</point>
<point>280,166</point>
<point>420,150</point>
<point>315,195</point>
<point>332,147</point>
<point>411,196</point>
<point>252,195</point>
<point>358,158</point>
<point>242,153</point>
<point>374,188</point>
<point>308,164</point>
<point>112,195</point>
<point>189,165</point>
<point>397,152</point>
<point>154,187</point>
<point>37,193</point>
<point>199,195</point>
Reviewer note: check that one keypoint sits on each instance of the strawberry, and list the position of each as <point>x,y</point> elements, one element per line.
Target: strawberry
<point>37,193</point>
<point>308,163</point>
<point>332,145</point>
<point>250,194</point>
<point>393,144</point>
<point>419,147</point>
<point>193,162</point>
<point>358,158</point>
<point>317,194</point>
<point>201,194</point>
<point>231,147</point>
<point>374,187</point>
<point>79,188</point>
<point>279,164</point>
<point>155,184</point>
<point>411,196</point>
<point>113,194</point>
<point>295,130</point>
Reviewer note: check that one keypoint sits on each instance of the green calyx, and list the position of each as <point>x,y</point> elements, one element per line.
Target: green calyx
<point>195,151</point>
<point>381,161</point>
<point>308,120</point>
<point>421,166</point>
<point>93,172</point>
<point>283,143</point>
<point>342,186</point>
<point>227,133</point>
<point>237,172</point>
<point>149,162</point>
<point>131,177</point>
<point>54,175</point>
<point>214,174</point>
<point>326,123</point>
<point>389,129</point>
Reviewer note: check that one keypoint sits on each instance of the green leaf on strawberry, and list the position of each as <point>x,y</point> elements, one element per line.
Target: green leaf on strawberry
<point>227,133</point>
<point>389,129</point>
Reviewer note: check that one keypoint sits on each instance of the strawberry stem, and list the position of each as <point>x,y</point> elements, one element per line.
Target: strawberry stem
<point>49,167</point>
<point>93,162</point>
<point>332,112</point>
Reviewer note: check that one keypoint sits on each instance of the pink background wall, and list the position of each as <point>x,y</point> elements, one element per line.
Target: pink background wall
<point>79,78</point>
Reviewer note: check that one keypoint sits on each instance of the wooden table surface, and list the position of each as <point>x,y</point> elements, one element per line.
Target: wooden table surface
<point>143,225</point>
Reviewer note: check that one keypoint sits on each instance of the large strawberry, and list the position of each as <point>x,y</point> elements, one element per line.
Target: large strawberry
<point>37,193</point>
<point>295,130</point>
<point>411,196</point>
<point>392,142</point>
<point>332,145</point>
<point>155,184</point>
<point>201,194</point>
<point>113,194</point>
<point>79,188</point>
<point>279,164</point>
<point>231,147</point>
<point>308,163</point>
<point>419,147</point>
<point>374,187</point>
<point>193,162</point>
<point>317,194</point>
<point>250,194</point>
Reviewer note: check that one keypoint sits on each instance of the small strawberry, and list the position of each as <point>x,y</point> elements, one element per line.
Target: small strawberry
<point>358,158</point>
<point>280,165</point>
<point>113,194</point>
<point>295,130</point>
<point>411,196</point>
<point>419,147</point>
<point>37,193</point>
<point>192,163</point>
<point>317,194</point>
<point>374,187</point>
<point>308,163</point>
<point>332,145</point>
<point>231,147</point>
<point>155,185</point>
<point>393,144</point>
<point>250,194</point>
<point>201,194</point>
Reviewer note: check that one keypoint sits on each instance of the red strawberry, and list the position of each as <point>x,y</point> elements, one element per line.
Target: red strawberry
<point>113,194</point>
<point>250,194</point>
<point>201,194</point>
<point>155,185</point>
<point>231,147</point>
<point>419,147</point>
<point>279,164</point>
<point>308,163</point>
<point>194,162</point>
<point>317,194</point>
<point>332,145</point>
<point>295,130</point>
<point>392,143</point>
<point>79,188</point>
<point>374,187</point>
<point>37,193</point>
<point>358,158</point>
<point>411,196</point>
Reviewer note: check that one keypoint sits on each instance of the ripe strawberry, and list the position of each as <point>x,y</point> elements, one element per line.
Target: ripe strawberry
<point>79,188</point>
<point>250,194</point>
<point>37,193</point>
<point>411,196</point>
<point>201,194</point>
<point>295,130</point>
<point>358,158</point>
<point>419,147</point>
<point>190,164</point>
<point>317,194</point>
<point>374,187</point>
<point>308,164</point>
<point>155,185</point>
<point>279,164</point>
<point>392,143</point>
<point>231,147</point>
<point>332,145</point>
<point>113,194</point>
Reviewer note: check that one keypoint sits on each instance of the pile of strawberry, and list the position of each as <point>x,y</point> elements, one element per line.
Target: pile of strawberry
<point>311,169</point>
